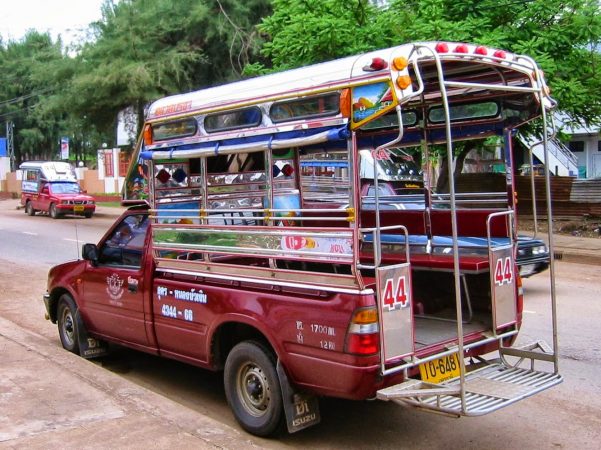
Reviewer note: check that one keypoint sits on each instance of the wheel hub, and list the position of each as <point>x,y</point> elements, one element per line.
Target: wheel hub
<point>254,389</point>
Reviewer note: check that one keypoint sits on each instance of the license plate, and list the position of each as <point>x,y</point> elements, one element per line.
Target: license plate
<point>441,369</point>
<point>78,208</point>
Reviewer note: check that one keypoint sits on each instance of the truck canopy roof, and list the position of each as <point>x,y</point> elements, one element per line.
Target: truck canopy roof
<point>52,170</point>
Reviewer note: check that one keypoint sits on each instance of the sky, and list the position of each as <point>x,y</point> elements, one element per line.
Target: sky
<point>69,18</point>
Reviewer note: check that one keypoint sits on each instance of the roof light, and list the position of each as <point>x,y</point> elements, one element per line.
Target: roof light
<point>376,64</point>
<point>147,134</point>
<point>403,81</point>
<point>400,63</point>
<point>481,50</point>
<point>500,54</point>
<point>345,103</point>
<point>461,48</point>
<point>442,47</point>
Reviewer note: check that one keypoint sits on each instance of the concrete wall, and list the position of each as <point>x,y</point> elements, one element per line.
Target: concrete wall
<point>88,180</point>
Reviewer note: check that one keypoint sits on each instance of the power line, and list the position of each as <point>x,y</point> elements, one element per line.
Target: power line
<point>25,97</point>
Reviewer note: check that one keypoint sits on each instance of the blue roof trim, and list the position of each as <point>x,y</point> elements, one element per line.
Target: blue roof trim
<point>333,134</point>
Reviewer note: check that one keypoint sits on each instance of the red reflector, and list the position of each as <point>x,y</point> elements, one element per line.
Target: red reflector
<point>500,54</point>
<point>378,64</point>
<point>363,344</point>
<point>481,50</point>
<point>461,48</point>
<point>442,47</point>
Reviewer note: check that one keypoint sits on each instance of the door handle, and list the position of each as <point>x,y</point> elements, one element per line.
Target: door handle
<point>132,287</point>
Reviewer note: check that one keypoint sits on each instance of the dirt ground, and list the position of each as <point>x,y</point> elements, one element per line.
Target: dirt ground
<point>589,227</point>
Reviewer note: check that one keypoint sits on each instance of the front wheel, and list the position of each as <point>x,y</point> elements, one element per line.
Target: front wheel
<point>67,325</point>
<point>252,388</point>
<point>88,215</point>
<point>53,211</point>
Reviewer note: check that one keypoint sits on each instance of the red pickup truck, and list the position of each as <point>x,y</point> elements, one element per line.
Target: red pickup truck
<point>265,253</point>
<point>52,187</point>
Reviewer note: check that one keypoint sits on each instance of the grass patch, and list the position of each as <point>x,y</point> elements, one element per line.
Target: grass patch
<point>109,204</point>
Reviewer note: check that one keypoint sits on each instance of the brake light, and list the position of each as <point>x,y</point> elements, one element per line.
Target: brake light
<point>520,295</point>
<point>363,336</point>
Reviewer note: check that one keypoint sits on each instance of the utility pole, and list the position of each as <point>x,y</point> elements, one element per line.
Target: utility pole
<point>10,144</point>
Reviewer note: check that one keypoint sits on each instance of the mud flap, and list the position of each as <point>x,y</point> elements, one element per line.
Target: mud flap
<point>302,410</point>
<point>89,347</point>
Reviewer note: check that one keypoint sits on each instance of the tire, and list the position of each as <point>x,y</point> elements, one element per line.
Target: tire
<point>252,388</point>
<point>53,211</point>
<point>88,215</point>
<point>67,325</point>
<point>29,209</point>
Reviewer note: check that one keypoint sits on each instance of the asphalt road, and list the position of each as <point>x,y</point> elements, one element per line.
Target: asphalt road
<point>567,416</point>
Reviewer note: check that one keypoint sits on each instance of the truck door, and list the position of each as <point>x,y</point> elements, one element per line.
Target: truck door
<point>115,291</point>
<point>42,199</point>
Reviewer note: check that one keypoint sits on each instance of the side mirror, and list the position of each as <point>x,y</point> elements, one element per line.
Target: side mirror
<point>89,252</point>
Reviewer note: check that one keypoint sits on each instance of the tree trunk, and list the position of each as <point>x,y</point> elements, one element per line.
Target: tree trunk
<point>442,184</point>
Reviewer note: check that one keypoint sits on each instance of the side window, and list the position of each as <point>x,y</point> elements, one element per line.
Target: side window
<point>125,246</point>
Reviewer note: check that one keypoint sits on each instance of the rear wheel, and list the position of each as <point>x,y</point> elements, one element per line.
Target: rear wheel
<point>53,211</point>
<point>252,388</point>
<point>67,325</point>
<point>29,209</point>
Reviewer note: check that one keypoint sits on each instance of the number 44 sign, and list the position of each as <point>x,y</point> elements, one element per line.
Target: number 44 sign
<point>504,271</point>
<point>394,294</point>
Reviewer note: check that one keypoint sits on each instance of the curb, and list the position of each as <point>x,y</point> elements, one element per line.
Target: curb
<point>124,397</point>
<point>571,256</point>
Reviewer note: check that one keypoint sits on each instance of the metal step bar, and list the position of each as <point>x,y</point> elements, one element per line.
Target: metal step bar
<point>486,389</point>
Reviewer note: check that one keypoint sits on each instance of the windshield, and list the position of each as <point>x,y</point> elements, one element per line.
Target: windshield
<point>65,188</point>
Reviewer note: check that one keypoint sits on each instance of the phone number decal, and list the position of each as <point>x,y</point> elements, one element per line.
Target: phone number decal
<point>174,313</point>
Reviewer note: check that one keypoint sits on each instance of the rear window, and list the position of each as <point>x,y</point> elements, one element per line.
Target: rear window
<point>463,112</point>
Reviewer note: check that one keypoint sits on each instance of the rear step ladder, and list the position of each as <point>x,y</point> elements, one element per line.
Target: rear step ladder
<point>487,389</point>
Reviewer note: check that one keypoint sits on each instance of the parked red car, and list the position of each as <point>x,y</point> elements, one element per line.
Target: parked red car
<point>52,187</point>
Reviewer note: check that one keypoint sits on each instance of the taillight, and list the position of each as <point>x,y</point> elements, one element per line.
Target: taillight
<point>363,336</point>
<point>520,296</point>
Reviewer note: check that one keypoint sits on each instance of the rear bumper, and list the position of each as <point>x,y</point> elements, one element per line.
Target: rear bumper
<point>335,379</point>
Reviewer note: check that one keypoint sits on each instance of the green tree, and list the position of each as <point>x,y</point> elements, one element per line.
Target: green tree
<point>25,91</point>
<point>146,49</point>
<point>563,36</point>
<point>560,34</point>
